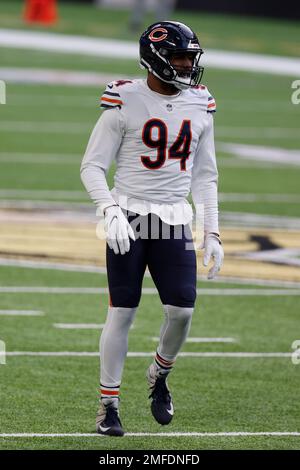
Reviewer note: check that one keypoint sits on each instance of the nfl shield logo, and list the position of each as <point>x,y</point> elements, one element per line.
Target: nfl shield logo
<point>169,107</point>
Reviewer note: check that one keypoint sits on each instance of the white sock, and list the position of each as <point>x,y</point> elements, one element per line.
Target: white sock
<point>113,350</point>
<point>173,334</point>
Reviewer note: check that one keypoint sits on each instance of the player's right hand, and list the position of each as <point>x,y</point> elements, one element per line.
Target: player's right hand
<point>118,230</point>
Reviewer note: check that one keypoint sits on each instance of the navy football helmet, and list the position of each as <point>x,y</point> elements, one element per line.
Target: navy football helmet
<point>159,42</point>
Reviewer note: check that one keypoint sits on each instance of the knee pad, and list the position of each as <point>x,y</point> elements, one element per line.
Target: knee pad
<point>179,314</point>
<point>119,319</point>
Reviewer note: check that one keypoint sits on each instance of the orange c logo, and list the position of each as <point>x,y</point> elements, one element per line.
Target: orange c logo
<point>155,35</point>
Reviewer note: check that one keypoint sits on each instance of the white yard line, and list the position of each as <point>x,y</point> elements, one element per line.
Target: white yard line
<point>261,153</point>
<point>51,265</point>
<point>235,162</point>
<point>51,127</point>
<point>203,340</point>
<point>247,219</point>
<point>56,99</point>
<point>148,291</point>
<point>73,44</point>
<point>74,194</point>
<point>161,434</point>
<point>254,197</point>
<point>36,204</point>
<point>40,193</point>
<point>56,77</point>
<point>46,127</point>
<point>53,290</point>
<point>258,132</point>
<point>25,313</point>
<point>101,270</point>
<point>256,282</point>
<point>239,355</point>
<point>49,159</point>
<point>79,326</point>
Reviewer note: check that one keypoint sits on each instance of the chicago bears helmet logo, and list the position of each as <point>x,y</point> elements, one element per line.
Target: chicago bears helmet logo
<point>158,34</point>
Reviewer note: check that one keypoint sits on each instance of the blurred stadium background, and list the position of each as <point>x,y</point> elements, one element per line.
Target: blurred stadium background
<point>53,293</point>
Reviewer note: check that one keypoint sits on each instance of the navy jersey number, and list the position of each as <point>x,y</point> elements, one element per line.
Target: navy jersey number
<point>180,149</point>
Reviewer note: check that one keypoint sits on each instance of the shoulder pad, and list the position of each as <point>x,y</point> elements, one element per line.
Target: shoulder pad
<point>112,96</point>
<point>208,98</point>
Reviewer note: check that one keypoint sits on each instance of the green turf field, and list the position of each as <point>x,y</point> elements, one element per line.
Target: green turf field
<point>221,32</point>
<point>59,394</point>
<point>57,120</point>
<point>43,134</point>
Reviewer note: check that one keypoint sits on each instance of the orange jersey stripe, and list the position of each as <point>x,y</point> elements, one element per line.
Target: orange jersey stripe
<point>110,100</point>
<point>211,105</point>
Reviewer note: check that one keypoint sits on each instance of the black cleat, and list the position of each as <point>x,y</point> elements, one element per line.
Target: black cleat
<point>161,406</point>
<point>108,422</point>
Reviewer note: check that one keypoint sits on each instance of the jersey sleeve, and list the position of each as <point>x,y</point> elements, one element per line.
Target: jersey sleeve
<point>102,150</point>
<point>205,98</point>
<point>111,98</point>
<point>204,186</point>
<point>210,101</point>
<point>211,104</point>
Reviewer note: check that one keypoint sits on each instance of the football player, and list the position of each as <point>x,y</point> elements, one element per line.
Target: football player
<point>159,131</point>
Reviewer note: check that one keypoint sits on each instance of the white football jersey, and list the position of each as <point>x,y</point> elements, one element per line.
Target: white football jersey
<point>163,147</point>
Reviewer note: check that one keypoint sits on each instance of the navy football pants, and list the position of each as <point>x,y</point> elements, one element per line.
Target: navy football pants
<point>171,265</point>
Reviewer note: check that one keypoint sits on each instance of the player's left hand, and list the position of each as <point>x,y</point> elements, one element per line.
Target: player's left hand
<point>213,249</point>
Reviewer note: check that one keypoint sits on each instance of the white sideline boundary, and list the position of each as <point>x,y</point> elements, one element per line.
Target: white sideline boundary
<point>99,47</point>
<point>56,77</point>
<point>151,354</point>
<point>160,434</point>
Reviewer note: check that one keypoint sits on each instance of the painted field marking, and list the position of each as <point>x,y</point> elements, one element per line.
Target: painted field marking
<point>161,434</point>
<point>148,291</point>
<point>256,132</point>
<point>151,354</point>
<point>203,340</point>
<point>79,326</point>
<point>76,44</point>
<point>73,267</point>
<point>39,159</point>
<point>50,127</point>
<point>47,127</point>
<point>36,75</point>
<point>82,326</point>
<point>261,153</point>
<point>25,313</point>
<point>40,193</point>
<point>73,194</point>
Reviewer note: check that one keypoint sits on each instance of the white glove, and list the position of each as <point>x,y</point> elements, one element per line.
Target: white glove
<point>118,230</point>
<point>213,249</point>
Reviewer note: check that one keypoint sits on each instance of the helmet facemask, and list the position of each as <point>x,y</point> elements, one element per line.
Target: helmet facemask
<point>180,77</point>
<point>163,40</point>
<point>186,77</point>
